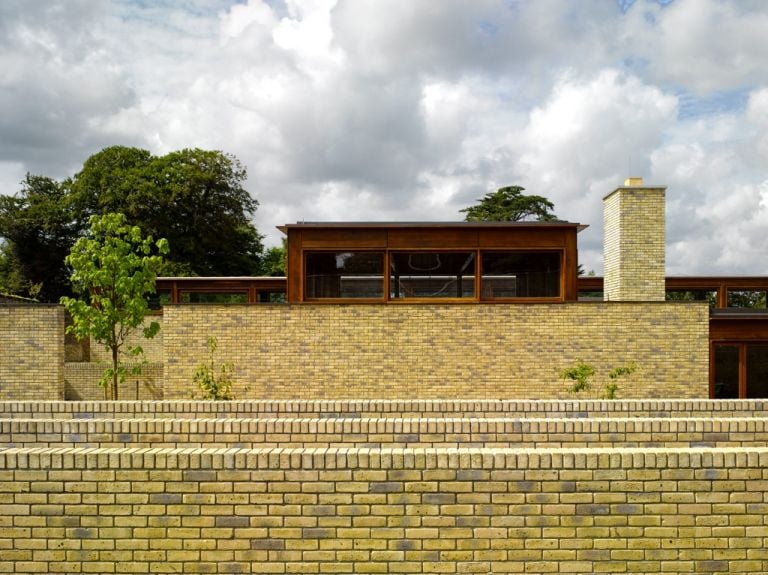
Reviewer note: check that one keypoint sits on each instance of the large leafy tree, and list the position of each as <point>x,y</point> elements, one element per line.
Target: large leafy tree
<point>509,204</point>
<point>193,198</point>
<point>39,227</point>
<point>114,269</point>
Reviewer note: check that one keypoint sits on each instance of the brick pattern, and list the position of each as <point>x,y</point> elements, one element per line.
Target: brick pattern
<point>385,408</point>
<point>384,511</point>
<point>310,351</point>
<point>81,382</point>
<point>153,348</point>
<point>633,244</point>
<point>385,433</point>
<point>31,351</point>
<point>87,360</point>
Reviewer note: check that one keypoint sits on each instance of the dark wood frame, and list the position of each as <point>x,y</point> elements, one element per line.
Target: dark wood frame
<point>432,237</point>
<point>253,286</point>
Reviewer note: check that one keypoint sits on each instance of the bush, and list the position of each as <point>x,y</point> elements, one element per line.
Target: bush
<point>214,384</point>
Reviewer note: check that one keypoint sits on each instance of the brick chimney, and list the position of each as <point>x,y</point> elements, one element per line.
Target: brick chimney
<point>633,242</point>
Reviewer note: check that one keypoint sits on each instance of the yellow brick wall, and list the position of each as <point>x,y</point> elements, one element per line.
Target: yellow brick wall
<point>31,352</point>
<point>384,511</point>
<point>81,382</point>
<point>153,348</point>
<point>83,370</point>
<point>633,244</point>
<point>307,351</point>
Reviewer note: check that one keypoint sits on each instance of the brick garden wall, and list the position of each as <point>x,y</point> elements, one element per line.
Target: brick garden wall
<point>439,351</point>
<point>31,351</point>
<point>384,511</point>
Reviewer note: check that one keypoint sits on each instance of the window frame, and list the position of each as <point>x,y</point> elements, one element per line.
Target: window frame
<point>477,253</point>
<point>524,299</point>
<point>345,299</point>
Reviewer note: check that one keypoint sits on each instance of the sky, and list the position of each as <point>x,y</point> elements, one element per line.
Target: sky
<point>403,110</point>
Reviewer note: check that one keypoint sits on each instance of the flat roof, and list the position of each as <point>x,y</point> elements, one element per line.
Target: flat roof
<point>353,225</point>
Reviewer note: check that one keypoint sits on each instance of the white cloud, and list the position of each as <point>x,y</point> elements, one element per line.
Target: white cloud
<point>384,109</point>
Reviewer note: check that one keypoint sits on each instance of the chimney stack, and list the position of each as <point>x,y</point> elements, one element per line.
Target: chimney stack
<point>633,242</point>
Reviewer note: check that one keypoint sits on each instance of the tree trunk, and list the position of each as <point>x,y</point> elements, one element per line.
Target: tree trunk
<point>114,373</point>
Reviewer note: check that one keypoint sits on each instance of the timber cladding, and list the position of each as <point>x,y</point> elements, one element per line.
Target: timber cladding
<point>360,510</point>
<point>317,351</point>
<point>31,351</point>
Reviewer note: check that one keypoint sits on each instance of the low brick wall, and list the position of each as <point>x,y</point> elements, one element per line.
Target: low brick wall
<point>382,408</point>
<point>384,433</point>
<point>494,351</point>
<point>31,351</point>
<point>81,382</point>
<point>384,511</point>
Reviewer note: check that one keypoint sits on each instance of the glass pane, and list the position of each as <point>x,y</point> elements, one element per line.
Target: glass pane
<point>213,297</point>
<point>709,296</point>
<point>158,300</point>
<point>521,274</point>
<point>757,370</point>
<point>590,296</point>
<point>726,372</point>
<point>432,274</point>
<point>344,275</point>
<point>271,297</point>
<point>751,299</point>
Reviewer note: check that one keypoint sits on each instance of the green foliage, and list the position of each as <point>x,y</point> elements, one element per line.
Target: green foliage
<point>509,204</point>
<point>114,269</point>
<point>193,198</point>
<point>39,229</point>
<point>581,373</point>
<point>274,264</point>
<point>214,384</point>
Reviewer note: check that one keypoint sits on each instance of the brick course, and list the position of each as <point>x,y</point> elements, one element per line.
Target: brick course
<point>387,408</point>
<point>385,432</point>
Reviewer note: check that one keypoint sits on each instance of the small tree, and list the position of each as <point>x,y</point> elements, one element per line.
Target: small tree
<point>213,385</point>
<point>113,268</point>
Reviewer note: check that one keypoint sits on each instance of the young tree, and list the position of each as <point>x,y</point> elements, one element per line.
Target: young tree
<point>114,268</point>
<point>509,204</point>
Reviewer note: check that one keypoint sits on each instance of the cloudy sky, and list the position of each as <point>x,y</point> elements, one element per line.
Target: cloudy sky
<point>413,109</point>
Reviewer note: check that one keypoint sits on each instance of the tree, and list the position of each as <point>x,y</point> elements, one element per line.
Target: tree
<point>193,198</point>
<point>39,230</point>
<point>273,263</point>
<point>509,204</point>
<point>114,269</point>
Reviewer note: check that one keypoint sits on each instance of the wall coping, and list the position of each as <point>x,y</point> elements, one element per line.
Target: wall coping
<point>384,424</point>
<point>354,408</point>
<point>287,459</point>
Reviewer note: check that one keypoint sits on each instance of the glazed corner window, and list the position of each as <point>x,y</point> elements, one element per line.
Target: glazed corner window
<point>521,274</point>
<point>432,275</point>
<point>344,275</point>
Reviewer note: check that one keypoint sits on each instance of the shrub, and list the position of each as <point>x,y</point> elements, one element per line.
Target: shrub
<point>214,384</point>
